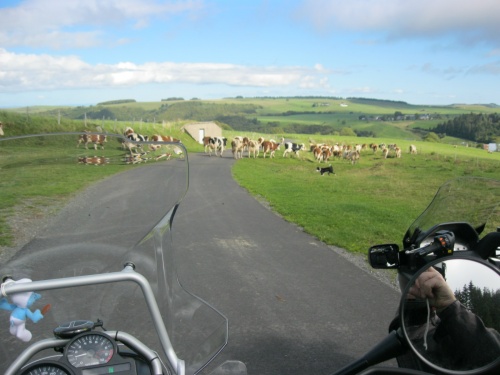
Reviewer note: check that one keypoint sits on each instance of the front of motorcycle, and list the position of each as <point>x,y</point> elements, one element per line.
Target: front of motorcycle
<point>92,287</point>
<point>448,270</point>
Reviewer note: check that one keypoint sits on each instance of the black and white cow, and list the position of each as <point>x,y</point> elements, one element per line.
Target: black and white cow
<point>216,144</point>
<point>293,147</point>
<point>135,139</point>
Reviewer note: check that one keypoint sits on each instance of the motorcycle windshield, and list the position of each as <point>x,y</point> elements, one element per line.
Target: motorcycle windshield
<point>472,200</point>
<point>75,204</point>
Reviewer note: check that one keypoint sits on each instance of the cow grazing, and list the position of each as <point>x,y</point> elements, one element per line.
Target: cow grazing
<point>95,139</point>
<point>1,128</point>
<point>293,147</point>
<point>324,170</point>
<point>413,149</point>
<point>270,147</point>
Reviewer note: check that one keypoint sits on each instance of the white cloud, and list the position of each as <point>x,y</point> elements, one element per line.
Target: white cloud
<point>59,24</point>
<point>471,21</point>
<point>27,72</point>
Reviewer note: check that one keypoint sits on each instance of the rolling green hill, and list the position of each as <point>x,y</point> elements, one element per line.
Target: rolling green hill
<point>281,116</point>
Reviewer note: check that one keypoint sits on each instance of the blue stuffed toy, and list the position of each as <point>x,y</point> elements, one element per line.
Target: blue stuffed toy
<point>21,312</point>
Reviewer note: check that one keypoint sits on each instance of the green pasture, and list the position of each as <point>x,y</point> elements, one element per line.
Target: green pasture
<point>373,201</point>
<point>34,174</point>
<point>39,173</point>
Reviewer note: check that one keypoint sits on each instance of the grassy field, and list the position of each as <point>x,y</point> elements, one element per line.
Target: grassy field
<point>373,201</point>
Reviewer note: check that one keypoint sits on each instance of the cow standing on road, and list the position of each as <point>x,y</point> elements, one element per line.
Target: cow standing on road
<point>216,144</point>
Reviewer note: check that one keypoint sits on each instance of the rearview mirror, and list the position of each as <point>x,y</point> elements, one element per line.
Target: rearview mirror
<point>449,314</point>
<point>384,256</point>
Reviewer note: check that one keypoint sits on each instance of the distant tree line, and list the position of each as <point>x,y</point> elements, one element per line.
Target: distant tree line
<point>379,102</point>
<point>172,99</point>
<point>481,128</point>
<point>121,101</point>
<point>485,303</point>
<point>290,97</point>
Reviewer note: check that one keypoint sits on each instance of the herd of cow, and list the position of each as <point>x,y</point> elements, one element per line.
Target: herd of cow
<point>217,145</point>
<point>321,152</point>
<point>133,142</point>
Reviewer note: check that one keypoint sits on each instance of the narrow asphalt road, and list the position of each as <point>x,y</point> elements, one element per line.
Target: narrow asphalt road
<point>294,304</point>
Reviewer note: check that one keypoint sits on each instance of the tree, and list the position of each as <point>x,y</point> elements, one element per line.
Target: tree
<point>431,137</point>
<point>348,132</point>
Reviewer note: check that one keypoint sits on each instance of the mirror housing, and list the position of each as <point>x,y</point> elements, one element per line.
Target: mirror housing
<point>384,256</point>
<point>459,337</point>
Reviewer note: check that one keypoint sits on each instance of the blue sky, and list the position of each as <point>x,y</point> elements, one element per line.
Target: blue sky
<point>82,52</point>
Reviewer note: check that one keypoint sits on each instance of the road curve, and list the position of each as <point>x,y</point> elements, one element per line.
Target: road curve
<point>294,305</point>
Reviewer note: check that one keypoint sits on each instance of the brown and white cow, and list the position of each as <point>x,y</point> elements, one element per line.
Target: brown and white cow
<point>397,151</point>
<point>270,147</point>
<point>206,143</point>
<point>237,147</point>
<point>95,139</point>
<point>164,138</point>
<point>253,148</point>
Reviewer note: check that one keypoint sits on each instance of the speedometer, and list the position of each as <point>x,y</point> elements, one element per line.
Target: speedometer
<point>46,369</point>
<point>90,349</point>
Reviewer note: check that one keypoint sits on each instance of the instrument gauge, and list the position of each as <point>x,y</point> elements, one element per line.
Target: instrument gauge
<point>46,369</point>
<point>90,349</point>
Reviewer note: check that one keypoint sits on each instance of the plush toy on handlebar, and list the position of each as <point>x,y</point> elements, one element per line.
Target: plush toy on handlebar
<point>20,307</point>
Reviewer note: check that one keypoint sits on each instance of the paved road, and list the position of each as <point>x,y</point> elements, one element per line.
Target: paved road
<point>295,306</point>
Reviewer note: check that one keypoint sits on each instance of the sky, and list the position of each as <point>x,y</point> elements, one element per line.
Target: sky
<point>83,52</point>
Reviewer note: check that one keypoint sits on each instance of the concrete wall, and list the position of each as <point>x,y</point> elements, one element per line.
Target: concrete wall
<point>198,130</point>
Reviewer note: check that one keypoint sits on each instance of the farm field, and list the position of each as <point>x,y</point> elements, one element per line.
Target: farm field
<point>362,204</point>
<point>371,201</point>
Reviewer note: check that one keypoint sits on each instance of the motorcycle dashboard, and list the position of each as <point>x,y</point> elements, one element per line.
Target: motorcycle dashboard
<point>90,353</point>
